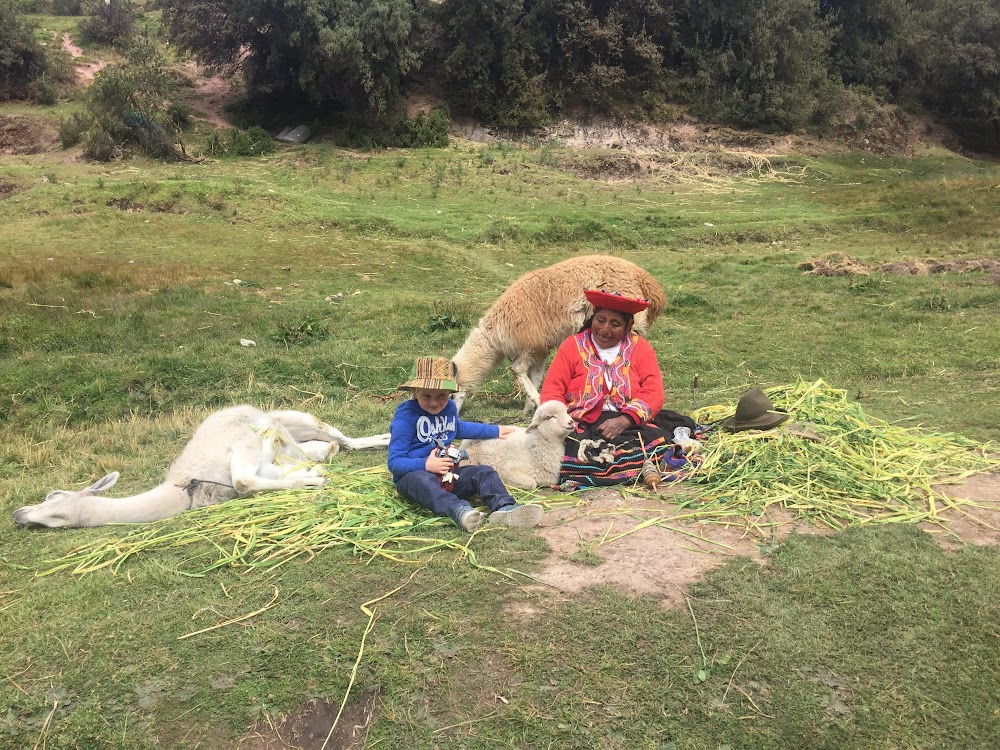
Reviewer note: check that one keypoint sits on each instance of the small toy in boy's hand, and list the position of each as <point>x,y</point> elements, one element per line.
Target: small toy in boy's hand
<point>456,456</point>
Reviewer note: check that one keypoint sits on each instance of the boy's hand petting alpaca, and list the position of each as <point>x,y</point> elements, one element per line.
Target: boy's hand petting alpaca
<point>440,465</point>
<point>505,430</point>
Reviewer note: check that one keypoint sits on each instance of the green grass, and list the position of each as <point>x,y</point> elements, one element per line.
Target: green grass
<point>119,329</point>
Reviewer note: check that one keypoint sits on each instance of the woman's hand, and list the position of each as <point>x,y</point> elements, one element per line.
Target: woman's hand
<point>439,465</point>
<point>609,429</point>
<point>506,430</point>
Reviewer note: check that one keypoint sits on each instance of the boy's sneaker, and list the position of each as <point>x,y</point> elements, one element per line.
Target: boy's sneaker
<point>517,516</point>
<point>468,518</point>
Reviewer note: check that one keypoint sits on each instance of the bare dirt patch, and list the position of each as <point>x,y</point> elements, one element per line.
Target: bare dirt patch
<point>980,521</point>
<point>700,167</point>
<point>7,189</point>
<point>307,728</point>
<point>890,131</point>
<point>21,134</point>
<point>842,264</point>
<point>662,562</point>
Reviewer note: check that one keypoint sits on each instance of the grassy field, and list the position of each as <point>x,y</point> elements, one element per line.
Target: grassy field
<point>125,289</point>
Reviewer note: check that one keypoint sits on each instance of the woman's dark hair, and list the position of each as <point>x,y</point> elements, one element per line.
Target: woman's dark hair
<point>629,317</point>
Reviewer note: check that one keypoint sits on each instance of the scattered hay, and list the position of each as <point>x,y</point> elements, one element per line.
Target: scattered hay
<point>864,471</point>
<point>842,264</point>
<point>834,264</point>
<point>357,510</point>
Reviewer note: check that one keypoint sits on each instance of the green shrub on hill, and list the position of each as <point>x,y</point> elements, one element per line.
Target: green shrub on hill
<point>253,142</point>
<point>130,103</point>
<point>22,59</point>
<point>109,22</point>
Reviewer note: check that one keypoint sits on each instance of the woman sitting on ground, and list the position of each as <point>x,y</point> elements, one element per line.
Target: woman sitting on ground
<point>610,381</point>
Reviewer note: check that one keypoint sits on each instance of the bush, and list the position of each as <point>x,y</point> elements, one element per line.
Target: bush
<point>109,22</point>
<point>67,8</point>
<point>44,93</point>
<point>59,68</point>
<point>100,146</point>
<point>131,102</point>
<point>253,142</point>
<point>179,114</point>
<point>424,130</point>
<point>22,59</point>
<point>71,129</point>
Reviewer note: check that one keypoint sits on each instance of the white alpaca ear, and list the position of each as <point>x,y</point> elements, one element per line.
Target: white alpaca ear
<point>532,427</point>
<point>101,484</point>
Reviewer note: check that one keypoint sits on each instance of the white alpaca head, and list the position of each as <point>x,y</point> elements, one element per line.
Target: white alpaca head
<point>551,418</point>
<point>62,507</point>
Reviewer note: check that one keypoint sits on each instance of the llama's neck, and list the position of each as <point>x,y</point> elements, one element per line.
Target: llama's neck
<point>476,359</point>
<point>162,501</point>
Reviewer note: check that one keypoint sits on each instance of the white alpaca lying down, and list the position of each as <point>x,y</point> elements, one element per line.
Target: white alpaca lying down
<point>527,458</point>
<point>235,451</point>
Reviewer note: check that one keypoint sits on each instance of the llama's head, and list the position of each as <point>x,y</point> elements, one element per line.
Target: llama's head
<point>62,507</point>
<point>551,418</point>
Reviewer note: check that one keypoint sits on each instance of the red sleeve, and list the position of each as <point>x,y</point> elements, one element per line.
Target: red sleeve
<point>647,383</point>
<point>555,387</point>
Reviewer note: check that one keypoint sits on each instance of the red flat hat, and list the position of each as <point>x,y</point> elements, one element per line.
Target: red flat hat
<point>615,301</point>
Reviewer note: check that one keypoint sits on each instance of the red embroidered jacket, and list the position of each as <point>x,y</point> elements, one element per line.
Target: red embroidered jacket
<point>577,378</point>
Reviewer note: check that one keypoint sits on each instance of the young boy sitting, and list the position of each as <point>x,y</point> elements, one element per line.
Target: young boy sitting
<point>428,418</point>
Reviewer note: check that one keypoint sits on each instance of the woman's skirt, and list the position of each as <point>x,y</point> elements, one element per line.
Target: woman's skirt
<point>592,461</point>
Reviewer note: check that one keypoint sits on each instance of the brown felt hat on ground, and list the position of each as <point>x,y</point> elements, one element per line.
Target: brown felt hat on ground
<point>432,373</point>
<point>754,412</point>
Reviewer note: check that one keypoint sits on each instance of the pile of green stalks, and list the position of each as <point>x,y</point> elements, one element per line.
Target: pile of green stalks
<point>863,470</point>
<point>356,509</point>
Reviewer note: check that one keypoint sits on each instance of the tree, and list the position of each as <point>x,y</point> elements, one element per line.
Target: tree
<point>22,59</point>
<point>109,22</point>
<point>599,51</point>
<point>490,62</point>
<point>874,45</point>
<point>757,63</point>
<point>963,65</point>
<point>354,52</point>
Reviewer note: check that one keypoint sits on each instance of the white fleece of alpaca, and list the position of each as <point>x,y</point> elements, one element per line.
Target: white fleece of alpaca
<point>527,458</point>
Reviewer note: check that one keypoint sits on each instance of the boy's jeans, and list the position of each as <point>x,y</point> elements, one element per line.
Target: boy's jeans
<point>425,488</point>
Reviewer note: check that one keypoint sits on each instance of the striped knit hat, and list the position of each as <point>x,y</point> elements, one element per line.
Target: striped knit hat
<point>432,373</point>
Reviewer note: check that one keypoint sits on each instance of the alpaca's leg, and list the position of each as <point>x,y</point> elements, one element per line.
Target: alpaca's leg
<point>318,450</point>
<point>522,365</point>
<point>535,373</point>
<point>254,455</point>
<point>305,427</point>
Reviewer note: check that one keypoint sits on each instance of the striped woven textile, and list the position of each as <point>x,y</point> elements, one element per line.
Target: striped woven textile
<point>591,461</point>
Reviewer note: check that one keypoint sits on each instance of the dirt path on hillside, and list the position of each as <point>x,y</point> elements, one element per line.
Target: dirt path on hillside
<point>85,72</point>
<point>212,93</point>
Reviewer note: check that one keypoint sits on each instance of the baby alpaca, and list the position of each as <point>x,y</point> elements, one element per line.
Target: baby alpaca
<point>527,458</point>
